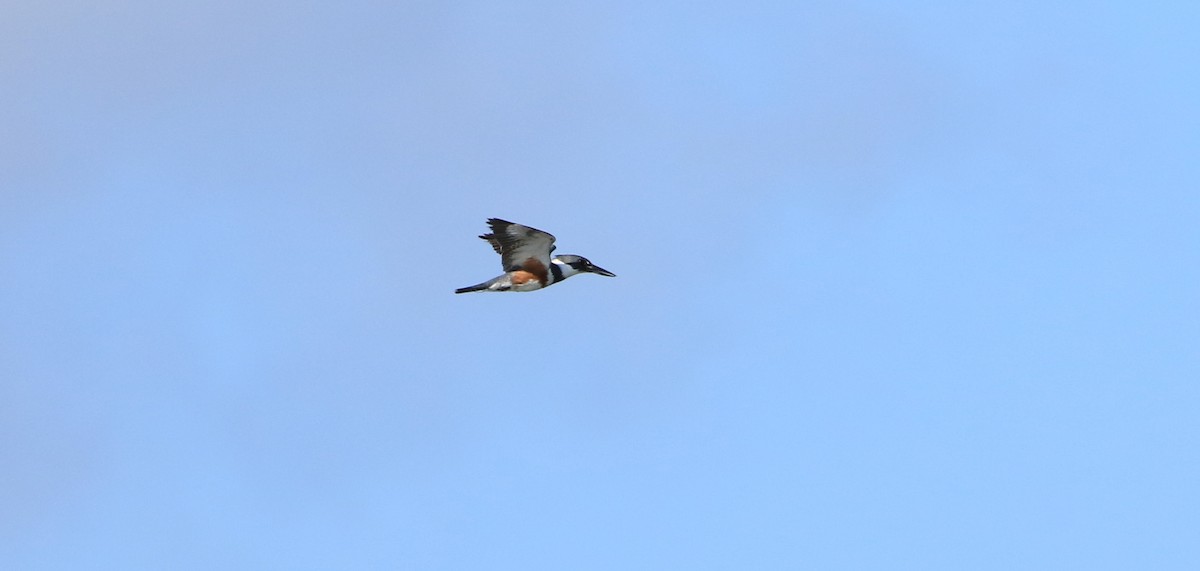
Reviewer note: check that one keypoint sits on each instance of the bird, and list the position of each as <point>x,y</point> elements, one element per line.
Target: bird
<point>528,265</point>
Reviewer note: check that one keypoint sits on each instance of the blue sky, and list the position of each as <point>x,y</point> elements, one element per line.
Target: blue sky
<point>901,285</point>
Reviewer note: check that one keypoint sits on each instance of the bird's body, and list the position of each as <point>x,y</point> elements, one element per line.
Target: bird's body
<point>528,265</point>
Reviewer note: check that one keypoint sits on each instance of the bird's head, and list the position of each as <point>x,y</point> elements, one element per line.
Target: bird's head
<point>581,265</point>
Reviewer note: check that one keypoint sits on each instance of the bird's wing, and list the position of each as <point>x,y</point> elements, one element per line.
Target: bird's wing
<point>491,238</point>
<point>520,247</point>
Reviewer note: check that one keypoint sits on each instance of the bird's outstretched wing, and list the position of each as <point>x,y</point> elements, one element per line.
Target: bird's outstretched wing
<point>491,238</point>
<point>520,247</point>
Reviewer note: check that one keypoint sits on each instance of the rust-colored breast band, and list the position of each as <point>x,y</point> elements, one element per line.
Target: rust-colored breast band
<point>538,269</point>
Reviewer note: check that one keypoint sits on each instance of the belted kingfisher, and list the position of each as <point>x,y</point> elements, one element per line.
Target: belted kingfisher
<point>525,255</point>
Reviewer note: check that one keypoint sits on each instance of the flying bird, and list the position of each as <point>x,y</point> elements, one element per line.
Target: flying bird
<point>525,255</point>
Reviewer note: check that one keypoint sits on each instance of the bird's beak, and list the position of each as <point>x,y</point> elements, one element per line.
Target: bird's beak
<point>602,271</point>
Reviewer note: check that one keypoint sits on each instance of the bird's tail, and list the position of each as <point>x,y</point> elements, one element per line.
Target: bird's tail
<point>476,287</point>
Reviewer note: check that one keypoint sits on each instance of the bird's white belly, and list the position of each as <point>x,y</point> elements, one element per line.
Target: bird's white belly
<point>527,286</point>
